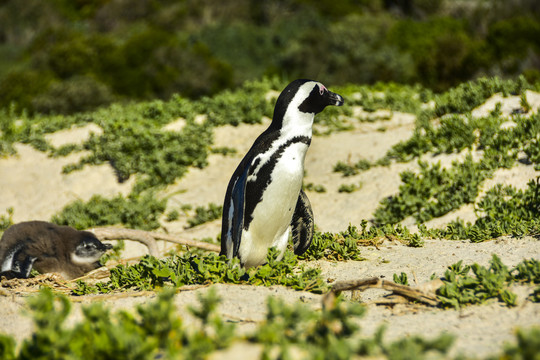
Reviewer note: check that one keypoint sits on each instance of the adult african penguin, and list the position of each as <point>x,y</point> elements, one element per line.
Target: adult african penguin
<point>264,198</point>
<point>47,247</point>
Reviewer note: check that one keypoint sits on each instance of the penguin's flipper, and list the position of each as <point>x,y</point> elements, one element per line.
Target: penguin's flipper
<point>302,224</point>
<point>17,264</point>
<point>238,199</point>
<point>25,267</point>
<point>233,216</point>
<point>22,267</point>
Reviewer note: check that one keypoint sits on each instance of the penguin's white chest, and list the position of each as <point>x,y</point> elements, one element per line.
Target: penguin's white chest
<point>273,214</point>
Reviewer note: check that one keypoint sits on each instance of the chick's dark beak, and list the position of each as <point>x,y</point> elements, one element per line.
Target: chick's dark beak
<point>107,246</point>
<point>335,99</point>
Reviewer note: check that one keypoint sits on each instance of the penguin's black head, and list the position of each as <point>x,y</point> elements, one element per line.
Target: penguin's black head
<point>89,249</point>
<point>318,98</point>
<point>306,96</point>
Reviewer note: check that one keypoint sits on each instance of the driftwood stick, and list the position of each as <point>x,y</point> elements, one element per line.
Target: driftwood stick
<point>149,238</point>
<point>409,292</point>
<point>144,237</point>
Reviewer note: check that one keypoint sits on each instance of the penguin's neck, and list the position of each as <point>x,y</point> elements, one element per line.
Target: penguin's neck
<point>297,123</point>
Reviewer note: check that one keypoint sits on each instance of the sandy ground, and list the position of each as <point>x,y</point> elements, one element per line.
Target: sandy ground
<point>35,187</point>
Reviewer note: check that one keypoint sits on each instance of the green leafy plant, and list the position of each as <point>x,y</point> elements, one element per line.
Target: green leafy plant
<point>525,105</point>
<point>401,279</point>
<point>337,247</point>
<point>6,220</point>
<point>349,188</point>
<point>203,215</point>
<point>286,325</point>
<point>158,157</point>
<point>436,191</point>
<point>244,105</point>
<point>535,296</point>
<point>189,269</point>
<point>349,170</point>
<point>433,192</point>
<point>313,187</point>
<point>460,288</point>
<point>340,246</point>
<point>415,240</point>
<point>466,96</point>
<point>335,333</point>
<point>172,215</point>
<point>502,211</point>
<point>155,330</point>
<point>527,271</point>
<point>140,212</point>
<point>527,345</point>
<point>223,150</point>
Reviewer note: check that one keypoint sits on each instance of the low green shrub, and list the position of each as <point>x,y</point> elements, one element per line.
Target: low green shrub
<point>203,215</point>
<point>350,170</point>
<point>503,210</point>
<point>460,288</point>
<point>433,192</point>
<point>154,330</point>
<point>137,212</point>
<point>190,269</point>
<point>337,247</point>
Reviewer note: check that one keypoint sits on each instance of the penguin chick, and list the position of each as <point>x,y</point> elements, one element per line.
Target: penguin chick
<point>47,248</point>
<point>264,198</point>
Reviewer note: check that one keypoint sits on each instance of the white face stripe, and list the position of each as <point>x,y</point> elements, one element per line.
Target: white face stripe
<point>294,120</point>
<point>79,260</point>
<point>295,123</point>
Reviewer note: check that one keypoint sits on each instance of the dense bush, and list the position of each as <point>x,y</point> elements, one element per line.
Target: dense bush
<point>75,94</point>
<point>20,87</point>
<point>439,48</point>
<point>352,50</point>
<point>149,49</point>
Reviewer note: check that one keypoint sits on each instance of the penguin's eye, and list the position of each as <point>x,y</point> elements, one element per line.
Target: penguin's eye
<point>321,89</point>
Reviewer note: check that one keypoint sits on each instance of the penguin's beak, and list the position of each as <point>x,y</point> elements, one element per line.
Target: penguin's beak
<point>335,99</point>
<point>107,246</point>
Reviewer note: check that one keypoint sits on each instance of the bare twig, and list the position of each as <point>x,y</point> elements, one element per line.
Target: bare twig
<point>132,294</point>
<point>97,274</point>
<point>426,297</point>
<point>16,286</point>
<point>149,238</point>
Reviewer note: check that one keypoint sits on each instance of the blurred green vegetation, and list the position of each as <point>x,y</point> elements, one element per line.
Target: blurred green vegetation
<point>64,56</point>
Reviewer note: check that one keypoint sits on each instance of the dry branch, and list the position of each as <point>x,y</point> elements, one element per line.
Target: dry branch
<point>424,296</point>
<point>149,238</point>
